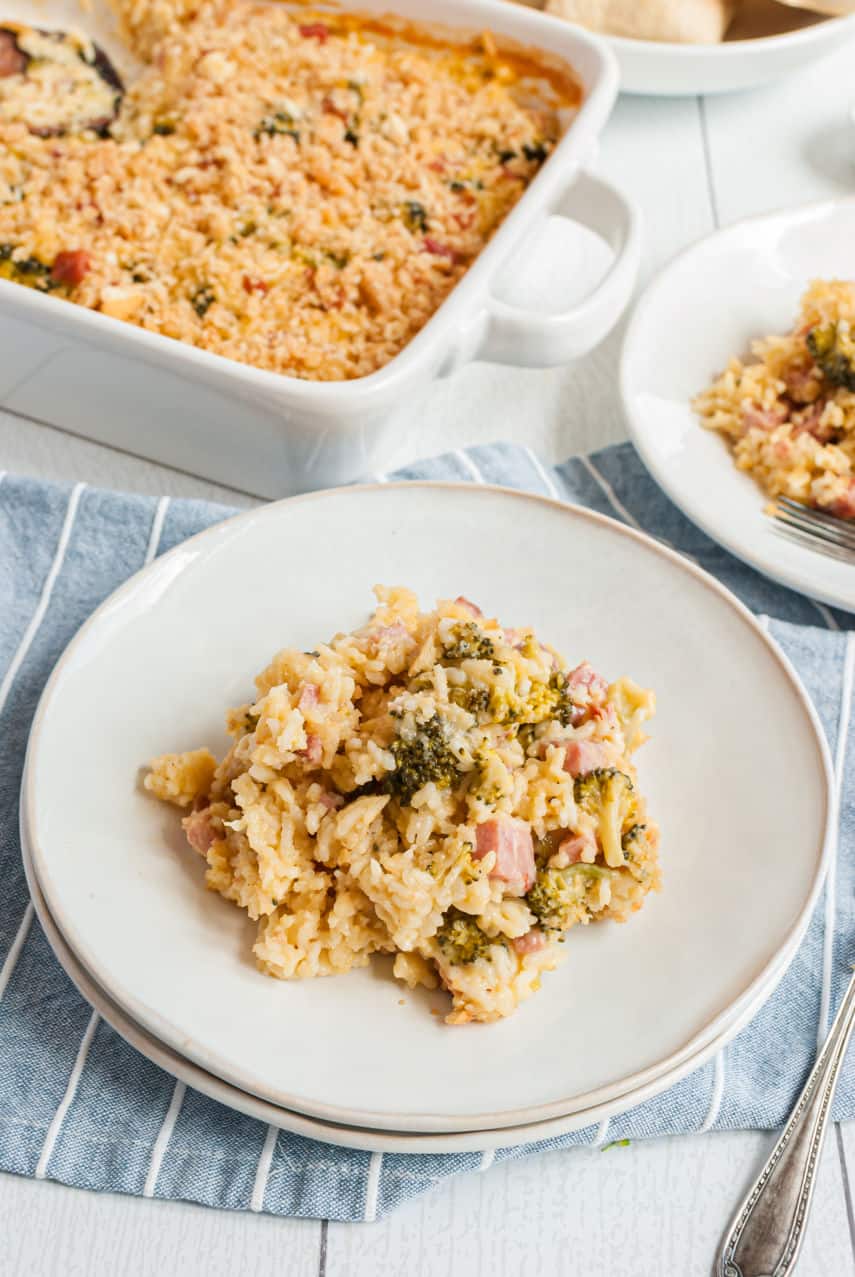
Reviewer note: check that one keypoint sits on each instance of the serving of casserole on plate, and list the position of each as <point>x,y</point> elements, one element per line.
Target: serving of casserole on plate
<point>432,785</point>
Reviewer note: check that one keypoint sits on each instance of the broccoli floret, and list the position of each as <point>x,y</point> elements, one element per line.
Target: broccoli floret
<point>461,939</point>
<point>467,642</point>
<point>565,709</point>
<point>476,700</point>
<point>426,756</point>
<point>607,794</point>
<point>633,840</point>
<point>833,349</point>
<point>555,897</point>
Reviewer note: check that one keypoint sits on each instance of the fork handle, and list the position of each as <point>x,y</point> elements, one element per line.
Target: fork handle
<point>766,1233</point>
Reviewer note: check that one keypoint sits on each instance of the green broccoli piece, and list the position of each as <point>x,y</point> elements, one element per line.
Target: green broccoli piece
<point>565,710</point>
<point>476,700</point>
<point>467,642</point>
<point>461,939</point>
<point>424,757</point>
<point>633,840</point>
<point>833,349</point>
<point>415,216</point>
<point>557,893</point>
<point>607,794</point>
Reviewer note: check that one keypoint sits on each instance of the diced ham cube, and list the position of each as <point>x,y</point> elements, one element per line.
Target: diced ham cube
<point>199,831</point>
<point>70,267</point>
<point>472,608</point>
<point>531,942</point>
<point>511,841</point>
<point>844,507</point>
<point>803,384</point>
<point>583,756</point>
<point>570,850</point>
<point>756,418</point>
<point>12,60</point>
<point>309,697</point>
<point>314,31</point>
<point>330,801</point>
<point>585,676</point>
<point>437,249</point>
<point>314,751</point>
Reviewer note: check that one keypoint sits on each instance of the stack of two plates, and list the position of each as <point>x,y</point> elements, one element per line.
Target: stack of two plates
<point>736,771</point>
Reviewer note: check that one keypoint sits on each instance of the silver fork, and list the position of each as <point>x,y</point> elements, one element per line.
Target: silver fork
<point>766,1233</point>
<point>815,529</point>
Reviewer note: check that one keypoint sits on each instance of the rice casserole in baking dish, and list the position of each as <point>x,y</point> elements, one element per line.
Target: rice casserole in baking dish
<point>433,786</point>
<point>297,190</point>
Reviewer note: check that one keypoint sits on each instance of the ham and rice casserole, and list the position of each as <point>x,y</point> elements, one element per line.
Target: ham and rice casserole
<point>789,415</point>
<point>298,191</point>
<point>432,786</point>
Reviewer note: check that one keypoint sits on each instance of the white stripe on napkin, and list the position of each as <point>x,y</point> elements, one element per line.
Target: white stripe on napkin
<point>164,1135</point>
<point>10,676</point>
<point>717,1093</point>
<point>156,529</point>
<point>831,878</point>
<point>544,475</point>
<point>610,494</point>
<point>44,599</point>
<point>15,948</point>
<point>65,1103</point>
<point>488,1157</point>
<point>372,1187</point>
<point>468,465</point>
<point>602,1131</point>
<point>262,1171</point>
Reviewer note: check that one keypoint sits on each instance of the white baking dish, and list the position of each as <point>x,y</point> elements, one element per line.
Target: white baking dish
<point>271,434</point>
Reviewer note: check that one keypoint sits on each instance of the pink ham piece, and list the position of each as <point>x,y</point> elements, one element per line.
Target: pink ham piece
<point>330,801</point>
<point>309,697</point>
<point>583,756</point>
<point>844,507</point>
<point>570,849</point>
<point>585,676</point>
<point>472,608</point>
<point>391,633</point>
<point>802,384</point>
<point>511,841</point>
<point>314,751</point>
<point>756,418</point>
<point>199,831</point>
<point>531,942</point>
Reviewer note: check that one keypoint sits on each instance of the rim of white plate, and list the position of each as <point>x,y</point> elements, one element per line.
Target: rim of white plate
<point>171,1034</point>
<point>362,1138</point>
<point>793,578</point>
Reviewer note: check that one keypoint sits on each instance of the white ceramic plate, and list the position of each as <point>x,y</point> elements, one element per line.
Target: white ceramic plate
<point>737,284</point>
<point>350,1136</point>
<point>658,69</point>
<point>177,643</point>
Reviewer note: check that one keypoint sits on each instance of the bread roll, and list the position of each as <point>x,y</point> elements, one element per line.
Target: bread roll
<point>681,21</point>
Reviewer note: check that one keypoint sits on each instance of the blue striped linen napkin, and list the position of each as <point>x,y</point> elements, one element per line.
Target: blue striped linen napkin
<point>78,1105</point>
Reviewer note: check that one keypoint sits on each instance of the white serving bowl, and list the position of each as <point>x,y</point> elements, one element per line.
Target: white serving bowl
<point>271,434</point>
<point>678,70</point>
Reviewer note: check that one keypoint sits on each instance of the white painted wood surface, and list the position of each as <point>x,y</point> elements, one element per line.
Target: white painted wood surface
<point>646,1210</point>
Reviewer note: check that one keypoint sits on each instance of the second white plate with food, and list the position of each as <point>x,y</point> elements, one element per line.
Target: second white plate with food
<point>177,645</point>
<point>736,286</point>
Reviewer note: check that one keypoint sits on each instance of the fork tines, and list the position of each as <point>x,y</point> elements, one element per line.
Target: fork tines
<point>815,528</point>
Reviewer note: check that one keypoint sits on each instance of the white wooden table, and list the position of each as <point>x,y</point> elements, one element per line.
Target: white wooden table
<point>654,1208</point>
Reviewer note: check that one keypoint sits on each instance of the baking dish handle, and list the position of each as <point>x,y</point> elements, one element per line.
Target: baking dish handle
<point>531,340</point>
